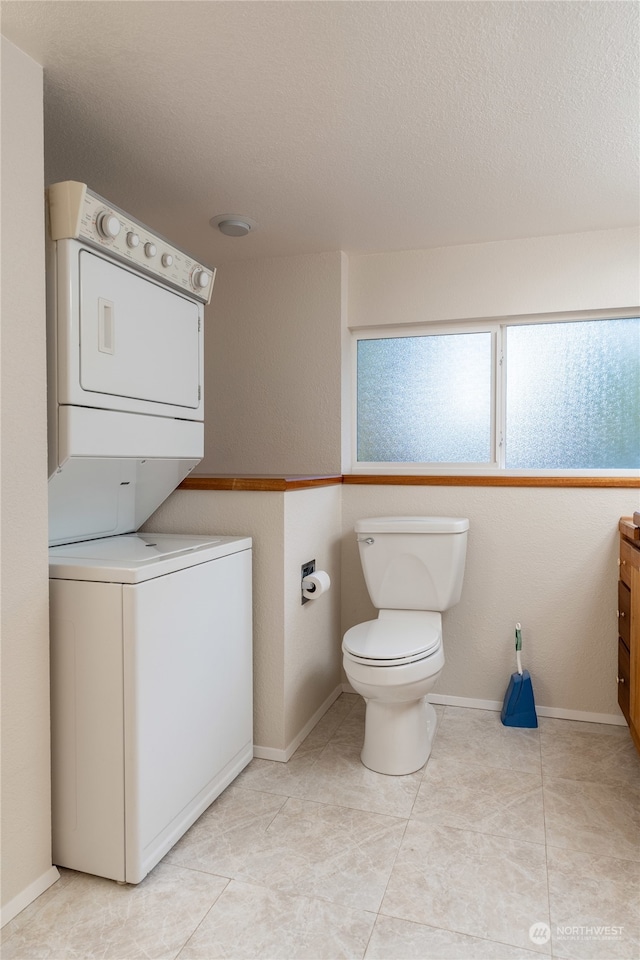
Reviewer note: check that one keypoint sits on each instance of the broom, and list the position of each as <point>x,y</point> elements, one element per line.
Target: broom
<point>519,709</point>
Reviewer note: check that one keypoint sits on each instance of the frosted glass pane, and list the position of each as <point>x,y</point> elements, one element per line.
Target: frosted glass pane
<point>573,395</point>
<point>425,399</point>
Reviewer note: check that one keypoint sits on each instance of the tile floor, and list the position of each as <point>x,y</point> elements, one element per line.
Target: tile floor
<point>504,830</point>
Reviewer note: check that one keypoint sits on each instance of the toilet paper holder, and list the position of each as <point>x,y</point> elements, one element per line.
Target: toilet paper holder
<point>314,582</point>
<point>305,570</point>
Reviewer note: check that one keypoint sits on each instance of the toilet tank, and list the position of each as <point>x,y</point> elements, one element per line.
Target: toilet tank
<point>413,563</point>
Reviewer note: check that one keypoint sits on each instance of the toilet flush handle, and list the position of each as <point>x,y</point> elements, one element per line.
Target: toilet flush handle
<point>365,540</point>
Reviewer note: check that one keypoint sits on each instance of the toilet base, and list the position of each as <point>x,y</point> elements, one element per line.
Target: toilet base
<point>398,735</point>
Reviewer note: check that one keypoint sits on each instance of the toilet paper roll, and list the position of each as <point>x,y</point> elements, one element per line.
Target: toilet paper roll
<point>316,584</point>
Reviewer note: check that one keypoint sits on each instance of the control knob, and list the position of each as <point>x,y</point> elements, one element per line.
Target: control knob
<point>167,259</point>
<point>150,250</point>
<point>108,225</point>
<point>133,240</point>
<point>200,279</point>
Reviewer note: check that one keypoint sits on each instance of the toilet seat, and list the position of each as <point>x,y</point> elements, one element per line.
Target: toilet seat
<point>397,638</point>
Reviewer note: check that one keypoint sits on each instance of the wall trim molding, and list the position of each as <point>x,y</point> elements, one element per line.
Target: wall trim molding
<point>282,756</point>
<point>557,713</point>
<point>501,480</point>
<point>282,484</point>
<point>268,484</point>
<point>28,895</point>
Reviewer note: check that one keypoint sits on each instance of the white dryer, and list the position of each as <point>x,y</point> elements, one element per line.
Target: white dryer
<point>125,366</point>
<point>151,638</point>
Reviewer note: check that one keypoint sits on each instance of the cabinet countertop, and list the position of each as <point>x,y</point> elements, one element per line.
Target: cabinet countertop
<point>629,530</point>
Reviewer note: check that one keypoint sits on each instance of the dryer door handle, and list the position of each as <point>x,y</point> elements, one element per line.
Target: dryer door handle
<point>105,326</point>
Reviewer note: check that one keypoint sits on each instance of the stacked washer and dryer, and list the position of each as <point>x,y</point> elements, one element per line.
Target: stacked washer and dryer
<point>151,638</point>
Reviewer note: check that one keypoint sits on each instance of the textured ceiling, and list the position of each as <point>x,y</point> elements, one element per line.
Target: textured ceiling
<point>359,125</point>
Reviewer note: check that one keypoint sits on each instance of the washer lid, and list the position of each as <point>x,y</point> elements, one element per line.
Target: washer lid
<point>402,637</point>
<point>135,557</point>
<point>412,525</point>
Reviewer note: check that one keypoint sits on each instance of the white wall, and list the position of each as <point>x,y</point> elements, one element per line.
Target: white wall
<point>313,658</point>
<point>26,815</point>
<point>272,359</point>
<point>583,271</point>
<point>546,557</point>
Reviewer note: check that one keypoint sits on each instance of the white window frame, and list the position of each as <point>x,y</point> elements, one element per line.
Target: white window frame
<point>497,327</point>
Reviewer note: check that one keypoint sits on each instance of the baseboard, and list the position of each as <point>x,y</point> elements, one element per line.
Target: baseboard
<point>558,713</point>
<point>472,703</point>
<point>269,753</point>
<point>582,715</point>
<point>28,895</point>
<point>282,756</point>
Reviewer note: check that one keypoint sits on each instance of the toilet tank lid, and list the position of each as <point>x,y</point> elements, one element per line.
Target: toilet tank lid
<point>412,525</point>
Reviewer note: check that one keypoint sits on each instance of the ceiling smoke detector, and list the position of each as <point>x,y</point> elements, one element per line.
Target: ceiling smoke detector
<point>232,224</point>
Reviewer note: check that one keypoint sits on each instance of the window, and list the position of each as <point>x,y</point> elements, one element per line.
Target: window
<point>557,395</point>
<point>425,399</point>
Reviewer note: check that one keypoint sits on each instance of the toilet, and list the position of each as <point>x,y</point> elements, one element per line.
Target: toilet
<point>413,568</point>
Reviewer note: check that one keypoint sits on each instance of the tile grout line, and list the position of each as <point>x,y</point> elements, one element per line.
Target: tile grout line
<point>378,913</point>
<point>546,845</point>
<point>404,832</point>
<point>204,916</point>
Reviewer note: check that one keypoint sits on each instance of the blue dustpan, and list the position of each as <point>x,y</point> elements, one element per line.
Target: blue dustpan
<point>519,709</point>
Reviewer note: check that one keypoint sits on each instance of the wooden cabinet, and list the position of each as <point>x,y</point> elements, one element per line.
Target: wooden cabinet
<point>629,626</point>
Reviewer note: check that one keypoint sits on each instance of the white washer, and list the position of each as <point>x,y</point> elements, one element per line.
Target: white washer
<point>151,662</point>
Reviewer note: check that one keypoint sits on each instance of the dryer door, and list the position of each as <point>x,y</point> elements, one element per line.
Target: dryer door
<point>138,340</point>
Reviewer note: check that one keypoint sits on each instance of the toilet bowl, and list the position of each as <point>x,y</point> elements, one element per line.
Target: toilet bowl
<point>413,568</point>
<point>393,662</point>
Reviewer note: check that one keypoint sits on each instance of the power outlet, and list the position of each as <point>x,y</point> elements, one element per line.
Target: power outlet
<point>305,570</point>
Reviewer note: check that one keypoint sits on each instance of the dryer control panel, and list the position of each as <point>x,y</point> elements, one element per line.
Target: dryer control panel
<point>77,213</point>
